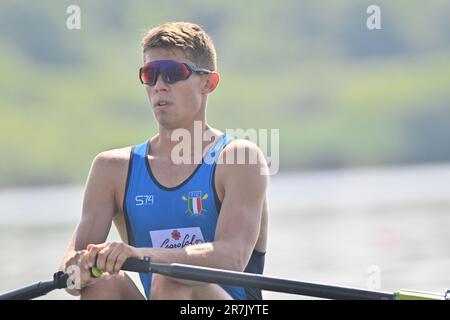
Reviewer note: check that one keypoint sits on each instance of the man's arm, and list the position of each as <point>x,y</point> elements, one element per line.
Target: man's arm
<point>244,193</point>
<point>99,206</point>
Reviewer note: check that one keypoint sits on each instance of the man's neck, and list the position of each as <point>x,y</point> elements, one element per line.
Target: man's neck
<point>198,135</point>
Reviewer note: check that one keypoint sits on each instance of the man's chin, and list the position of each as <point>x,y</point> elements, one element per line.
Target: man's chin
<point>166,123</point>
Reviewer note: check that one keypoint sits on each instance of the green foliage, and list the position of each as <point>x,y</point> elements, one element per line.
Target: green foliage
<point>340,94</point>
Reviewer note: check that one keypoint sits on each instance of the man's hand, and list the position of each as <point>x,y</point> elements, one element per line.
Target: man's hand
<point>79,276</point>
<point>109,257</point>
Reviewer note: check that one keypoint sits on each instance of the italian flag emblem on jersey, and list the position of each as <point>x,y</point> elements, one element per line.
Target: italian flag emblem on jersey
<point>194,200</point>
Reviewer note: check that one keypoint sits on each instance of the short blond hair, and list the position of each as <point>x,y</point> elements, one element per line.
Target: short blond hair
<point>189,37</point>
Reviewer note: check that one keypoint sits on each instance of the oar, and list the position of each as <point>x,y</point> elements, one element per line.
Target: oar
<point>233,278</point>
<point>250,280</point>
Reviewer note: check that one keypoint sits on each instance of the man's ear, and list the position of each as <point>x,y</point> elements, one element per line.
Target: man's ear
<point>212,80</point>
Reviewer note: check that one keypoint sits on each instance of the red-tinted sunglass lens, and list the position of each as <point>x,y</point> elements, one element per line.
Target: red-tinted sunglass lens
<point>148,75</point>
<point>173,72</point>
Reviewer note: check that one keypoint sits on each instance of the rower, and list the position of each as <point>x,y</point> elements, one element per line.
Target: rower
<point>173,199</point>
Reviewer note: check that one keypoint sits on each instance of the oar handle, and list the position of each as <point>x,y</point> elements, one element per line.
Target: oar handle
<point>137,265</point>
<point>131,264</point>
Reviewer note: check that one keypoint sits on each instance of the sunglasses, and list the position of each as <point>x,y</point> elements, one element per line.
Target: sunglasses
<point>170,71</point>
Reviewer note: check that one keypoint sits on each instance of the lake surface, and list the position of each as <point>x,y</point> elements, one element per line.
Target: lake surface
<point>385,228</point>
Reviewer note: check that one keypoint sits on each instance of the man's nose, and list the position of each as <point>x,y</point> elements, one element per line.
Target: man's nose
<point>160,84</point>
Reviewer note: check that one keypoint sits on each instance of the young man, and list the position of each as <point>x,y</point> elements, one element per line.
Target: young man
<point>208,213</point>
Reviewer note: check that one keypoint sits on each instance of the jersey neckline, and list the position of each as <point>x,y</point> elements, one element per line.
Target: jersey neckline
<point>153,178</point>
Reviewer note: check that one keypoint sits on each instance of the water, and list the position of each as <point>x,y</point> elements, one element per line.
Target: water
<point>385,228</point>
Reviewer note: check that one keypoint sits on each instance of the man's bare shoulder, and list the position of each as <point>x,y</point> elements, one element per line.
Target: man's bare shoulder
<point>115,155</point>
<point>242,159</point>
<point>242,152</point>
<point>241,143</point>
<point>115,159</point>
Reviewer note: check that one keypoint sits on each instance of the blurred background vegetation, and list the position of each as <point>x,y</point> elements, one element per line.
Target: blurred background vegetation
<point>341,95</point>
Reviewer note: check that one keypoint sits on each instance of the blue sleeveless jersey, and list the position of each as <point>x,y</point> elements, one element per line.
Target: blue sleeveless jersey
<point>161,217</point>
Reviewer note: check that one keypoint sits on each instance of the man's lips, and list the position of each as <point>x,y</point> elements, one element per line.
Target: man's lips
<point>162,104</point>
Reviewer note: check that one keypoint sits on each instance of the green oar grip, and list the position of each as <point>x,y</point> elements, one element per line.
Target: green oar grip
<point>406,294</point>
<point>95,272</point>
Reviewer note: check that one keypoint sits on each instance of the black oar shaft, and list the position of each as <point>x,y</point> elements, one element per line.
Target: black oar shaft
<point>37,289</point>
<point>29,292</point>
<point>266,283</point>
<point>211,275</point>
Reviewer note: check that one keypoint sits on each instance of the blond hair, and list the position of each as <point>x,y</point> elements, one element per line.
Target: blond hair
<point>189,37</point>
